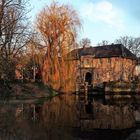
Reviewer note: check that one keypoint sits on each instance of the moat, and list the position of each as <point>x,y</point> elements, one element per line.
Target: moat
<point>65,117</point>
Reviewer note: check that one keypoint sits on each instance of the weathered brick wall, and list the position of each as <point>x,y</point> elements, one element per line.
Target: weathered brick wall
<point>104,70</point>
<point>113,69</point>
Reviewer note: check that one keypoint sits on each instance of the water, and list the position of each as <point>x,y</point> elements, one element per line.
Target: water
<point>55,120</point>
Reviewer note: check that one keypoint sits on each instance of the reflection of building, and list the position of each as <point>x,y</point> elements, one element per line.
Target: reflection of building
<point>95,65</point>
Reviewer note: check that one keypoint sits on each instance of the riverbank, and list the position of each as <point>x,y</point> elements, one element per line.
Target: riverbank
<point>24,92</point>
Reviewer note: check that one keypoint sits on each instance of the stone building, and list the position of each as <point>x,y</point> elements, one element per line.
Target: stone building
<point>105,63</point>
<point>95,65</point>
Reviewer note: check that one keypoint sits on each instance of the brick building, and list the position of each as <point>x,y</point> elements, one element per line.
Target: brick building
<point>105,63</point>
<point>95,65</point>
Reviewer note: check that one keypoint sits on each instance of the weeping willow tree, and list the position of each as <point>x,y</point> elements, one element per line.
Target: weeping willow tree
<point>33,57</point>
<point>58,25</point>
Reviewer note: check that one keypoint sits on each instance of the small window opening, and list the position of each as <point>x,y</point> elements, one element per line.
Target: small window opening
<point>109,61</point>
<point>100,61</point>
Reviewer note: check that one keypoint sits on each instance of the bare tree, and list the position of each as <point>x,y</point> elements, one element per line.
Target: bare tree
<point>58,26</point>
<point>133,44</point>
<point>85,42</point>
<point>103,43</point>
<point>14,32</point>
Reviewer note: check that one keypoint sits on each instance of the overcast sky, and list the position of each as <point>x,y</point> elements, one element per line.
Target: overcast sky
<point>102,19</point>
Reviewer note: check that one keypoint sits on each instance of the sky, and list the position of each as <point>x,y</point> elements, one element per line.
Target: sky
<point>101,19</point>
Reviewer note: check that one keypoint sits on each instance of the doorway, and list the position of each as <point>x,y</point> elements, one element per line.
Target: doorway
<point>88,78</point>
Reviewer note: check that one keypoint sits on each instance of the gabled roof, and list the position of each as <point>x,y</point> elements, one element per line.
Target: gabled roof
<point>106,51</point>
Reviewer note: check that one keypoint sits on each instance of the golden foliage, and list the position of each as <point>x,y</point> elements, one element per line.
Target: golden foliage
<point>58,26</point>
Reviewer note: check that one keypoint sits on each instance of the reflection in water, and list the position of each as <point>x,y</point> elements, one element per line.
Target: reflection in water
<point>57,120</point>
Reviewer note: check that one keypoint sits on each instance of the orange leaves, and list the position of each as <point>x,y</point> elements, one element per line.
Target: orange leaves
<point>58,24</point>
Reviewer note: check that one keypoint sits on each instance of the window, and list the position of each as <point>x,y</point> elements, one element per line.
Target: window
<point>100,61</point>
<point>109,60</point>
<point>82,63</point>
<point>87,62</point>
<point>97,76</point>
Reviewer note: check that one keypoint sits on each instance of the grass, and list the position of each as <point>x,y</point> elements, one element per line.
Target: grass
<point>27,90</point>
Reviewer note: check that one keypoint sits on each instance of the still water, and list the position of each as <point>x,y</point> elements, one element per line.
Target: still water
<point>55,120</point>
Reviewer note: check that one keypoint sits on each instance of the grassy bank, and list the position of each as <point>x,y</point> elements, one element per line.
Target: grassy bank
<point>24,91</point>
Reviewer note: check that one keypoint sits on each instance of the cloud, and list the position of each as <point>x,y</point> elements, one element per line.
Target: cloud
<point>102,12</point>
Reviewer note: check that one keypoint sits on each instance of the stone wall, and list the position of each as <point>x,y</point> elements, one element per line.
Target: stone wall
<point>104,70</point>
